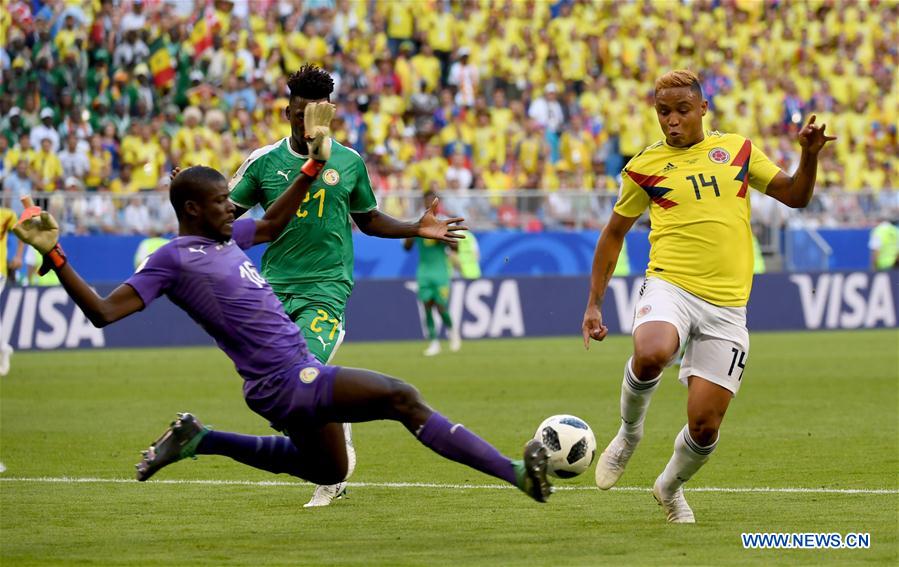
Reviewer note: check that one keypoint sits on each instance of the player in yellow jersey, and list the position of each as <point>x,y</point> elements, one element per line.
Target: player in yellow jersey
<point>7,221</point>
<point>696,187</point>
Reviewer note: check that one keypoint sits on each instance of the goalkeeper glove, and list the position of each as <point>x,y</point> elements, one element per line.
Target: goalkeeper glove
<point>41,231</point>
<point>317,123</point>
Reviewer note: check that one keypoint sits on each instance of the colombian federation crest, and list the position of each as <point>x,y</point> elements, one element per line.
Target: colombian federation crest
<point>719,155</point>
<point>330,176</point>
<point>644,311</point>
<point>309,374</point>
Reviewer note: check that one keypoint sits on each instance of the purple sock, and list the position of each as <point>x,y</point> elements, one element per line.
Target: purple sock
<point>273,453</point>
<point>461,445</point>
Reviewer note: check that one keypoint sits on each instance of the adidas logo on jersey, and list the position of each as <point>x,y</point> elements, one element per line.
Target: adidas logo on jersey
<point>669,167</point>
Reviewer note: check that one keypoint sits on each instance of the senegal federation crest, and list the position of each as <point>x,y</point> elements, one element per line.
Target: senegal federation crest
<point>719,155</point>
<point>309,374</point>
<point>330,176</point>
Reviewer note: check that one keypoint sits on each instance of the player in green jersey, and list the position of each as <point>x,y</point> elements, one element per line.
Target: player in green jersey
<point>310,266</point>
<point>433,277</point>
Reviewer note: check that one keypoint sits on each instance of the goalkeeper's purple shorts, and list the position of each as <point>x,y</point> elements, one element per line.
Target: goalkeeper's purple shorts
<point>293,397</point>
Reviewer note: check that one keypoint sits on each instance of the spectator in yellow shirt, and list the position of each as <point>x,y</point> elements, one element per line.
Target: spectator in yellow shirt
<point>400,25</point>
<point>405,70</point>
<point>854,164</point>
<point>228,159</point>
<point>560,27</point>
<point>48,167</point>
<point>531,148</point>
<point>65,37</point>
<point>427,68</point>
<point>184,139</point>
<point>316,50</point>
<point>631,136</point>
<point>574,55</point>
<point>495,179</point>
<point>401,144</point>
<point>202,154</point>
<point>576,145</point>
<point>485,138</point>
<point>130,140</point>
<point>457,134</point>
<point>378,123</point>
<point>500,113</point>
<point>146,158</point>
<point>22,151</point>
<point>100,163</point>
<point>125,183</point>
<point>874,175</point>
<point>432,170</point>
<point>441,28</point>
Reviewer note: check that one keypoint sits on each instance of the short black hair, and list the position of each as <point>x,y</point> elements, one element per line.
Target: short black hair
<point>310,82</point>
<point>190,185</point>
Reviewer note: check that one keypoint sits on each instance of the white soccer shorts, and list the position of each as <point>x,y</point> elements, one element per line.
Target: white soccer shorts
<point>716,337</point>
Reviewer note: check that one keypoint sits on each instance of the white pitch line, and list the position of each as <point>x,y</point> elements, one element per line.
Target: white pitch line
<point>747,490</point>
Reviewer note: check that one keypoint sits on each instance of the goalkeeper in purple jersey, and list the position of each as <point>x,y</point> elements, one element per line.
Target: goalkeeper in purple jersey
<point>206,273</point>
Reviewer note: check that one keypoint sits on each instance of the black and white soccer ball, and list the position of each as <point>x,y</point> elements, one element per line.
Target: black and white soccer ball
<point>571,444</point>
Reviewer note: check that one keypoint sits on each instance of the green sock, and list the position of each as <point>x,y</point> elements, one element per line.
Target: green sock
<point>190,449</point>
<point>447,320</point>
<point>518,467</point>
<point>429,321</point>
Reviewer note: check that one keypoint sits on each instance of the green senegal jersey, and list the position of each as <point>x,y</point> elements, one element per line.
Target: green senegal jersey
<point>317,245</point>
<point>433,263</point>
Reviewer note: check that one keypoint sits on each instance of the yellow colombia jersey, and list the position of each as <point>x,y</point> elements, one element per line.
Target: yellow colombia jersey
<point>698,199</point>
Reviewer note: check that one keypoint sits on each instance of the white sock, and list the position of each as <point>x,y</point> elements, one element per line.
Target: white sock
<point>635,397</point>
<point>350,450</point>
<point>688,457</point>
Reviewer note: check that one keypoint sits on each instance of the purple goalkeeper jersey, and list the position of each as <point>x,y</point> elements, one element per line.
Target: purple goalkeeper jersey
<point>219,287</point>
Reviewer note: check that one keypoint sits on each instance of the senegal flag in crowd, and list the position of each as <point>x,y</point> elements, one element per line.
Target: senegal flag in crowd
<point>206,24</point>
<point>161,65</point>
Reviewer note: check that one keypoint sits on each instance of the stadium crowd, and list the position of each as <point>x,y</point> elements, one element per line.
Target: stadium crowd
<point>102,98</point>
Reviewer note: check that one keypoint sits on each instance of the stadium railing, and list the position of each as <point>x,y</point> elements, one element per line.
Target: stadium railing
<point>530,210</point>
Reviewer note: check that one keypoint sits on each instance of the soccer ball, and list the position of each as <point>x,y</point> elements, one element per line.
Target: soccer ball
<point>570,442</point>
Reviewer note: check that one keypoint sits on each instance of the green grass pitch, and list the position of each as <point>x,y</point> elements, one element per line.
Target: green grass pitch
<point>817,410</point>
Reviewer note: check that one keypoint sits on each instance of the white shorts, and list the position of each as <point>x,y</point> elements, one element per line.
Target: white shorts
<point>716,337</point>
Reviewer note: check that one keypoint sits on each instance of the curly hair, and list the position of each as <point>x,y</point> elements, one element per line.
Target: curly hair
<point>310,82</point>
<point>679,78</point>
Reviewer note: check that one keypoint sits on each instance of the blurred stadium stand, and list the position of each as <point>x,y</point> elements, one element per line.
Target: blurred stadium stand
<point>521,113</point>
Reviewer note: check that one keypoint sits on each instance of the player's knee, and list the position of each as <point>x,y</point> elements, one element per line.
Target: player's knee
<point>405,399</point>
<point>650,360</point>
<point>704,428</point>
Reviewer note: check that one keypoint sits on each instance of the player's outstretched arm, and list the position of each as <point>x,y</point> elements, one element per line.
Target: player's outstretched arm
<point>604,259</point>
<point>40,230</point>
<point>285,207</point>
<point>317,121</point>
<point>796,191</point>
<point>377,223</point>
